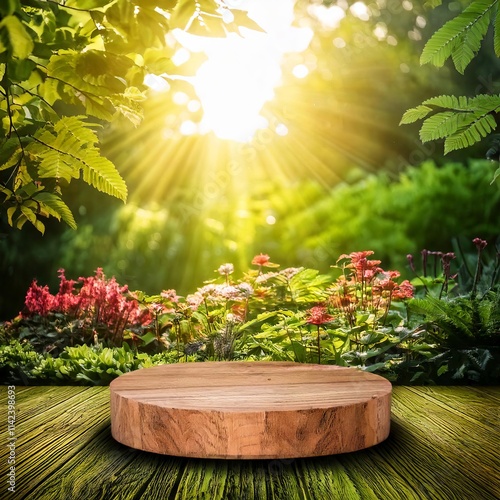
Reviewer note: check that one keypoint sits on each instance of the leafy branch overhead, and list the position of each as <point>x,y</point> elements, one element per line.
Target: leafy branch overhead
<point>64,62</point>
<point>461,121</point>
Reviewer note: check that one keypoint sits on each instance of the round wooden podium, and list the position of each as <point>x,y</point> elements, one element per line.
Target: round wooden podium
<point>250,410</point>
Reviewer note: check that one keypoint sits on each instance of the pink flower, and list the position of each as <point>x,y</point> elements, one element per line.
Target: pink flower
<point>480,244</point>
<point>170,295</point>
<point>318,315</point>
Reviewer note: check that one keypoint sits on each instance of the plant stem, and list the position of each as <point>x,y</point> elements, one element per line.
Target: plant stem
<point>319,347</point>
<point>477,274</point>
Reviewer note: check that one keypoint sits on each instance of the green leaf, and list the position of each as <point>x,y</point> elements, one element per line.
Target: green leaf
<point>8,7</point>
<point>87,4</point>
<point>470,43</point>
<point>8,150</point>
<point>20,70</point>
<point>496,34</point>
<point>460,103</point>
<point>438,126</point>
<point>19,39</point>
<point>10,212</point>
<point>183,15</point>
<point>162,4</point>
<point>496,175</point>
<point>102,174</point>
<point>480,128</point>
<point>56,165</point>
<point>147,338</point>
<point>242,20</point>
<point>31,216</point>
<point>56,207</point>
<point>467,28</point>
<point>442,369</point>
<point>414,114</point>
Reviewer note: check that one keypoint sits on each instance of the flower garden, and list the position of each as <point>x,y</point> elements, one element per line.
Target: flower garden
<point>442,327</point>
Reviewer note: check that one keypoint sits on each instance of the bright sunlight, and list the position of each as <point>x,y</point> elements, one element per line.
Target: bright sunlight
<point>241,72</point>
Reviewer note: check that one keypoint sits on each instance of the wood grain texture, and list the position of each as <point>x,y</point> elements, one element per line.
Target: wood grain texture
<point>440,447</point>
<point>250,410</point>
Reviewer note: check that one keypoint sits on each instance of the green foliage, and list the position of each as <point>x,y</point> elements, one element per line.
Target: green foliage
<point>81,365</point>
<point>461,37</point>
<point>461,121</point>
<point>424,207</point>
<point>461,322</point>
<point>62,62</point>
<point>464,122</point>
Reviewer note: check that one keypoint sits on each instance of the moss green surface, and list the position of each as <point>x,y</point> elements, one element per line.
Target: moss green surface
<point>443,445</point>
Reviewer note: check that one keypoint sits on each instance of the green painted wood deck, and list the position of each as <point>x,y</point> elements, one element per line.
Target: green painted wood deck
<point>444,444</point>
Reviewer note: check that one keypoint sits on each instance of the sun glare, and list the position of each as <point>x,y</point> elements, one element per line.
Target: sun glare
<point>241,72</point>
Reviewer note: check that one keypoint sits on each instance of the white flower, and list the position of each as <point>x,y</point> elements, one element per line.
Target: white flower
<point>226,269</point>
<point>245,289</point>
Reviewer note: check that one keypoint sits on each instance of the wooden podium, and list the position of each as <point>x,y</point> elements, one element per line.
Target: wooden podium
<point>250,410</point>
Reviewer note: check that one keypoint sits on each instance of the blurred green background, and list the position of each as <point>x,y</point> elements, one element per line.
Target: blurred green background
<point>344,176</point>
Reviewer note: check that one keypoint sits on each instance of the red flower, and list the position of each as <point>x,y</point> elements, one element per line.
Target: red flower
<point>39,300</point>
<point>318,315</point>
<point>261,260</point>
<point>480,244</point>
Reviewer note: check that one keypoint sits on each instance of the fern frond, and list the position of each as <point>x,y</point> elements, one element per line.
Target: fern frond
<point>485,103</point>
<point>470,43</point>
<point>56,207</point>
<point>57,165</point>
<point>460,103</point>
<point>438,126</point>
<point>496,34</point>
<point>473,133</point>
<point>100,173</point>
<point>414,114</point>
<point>74,126</point>
<point>467,28</point>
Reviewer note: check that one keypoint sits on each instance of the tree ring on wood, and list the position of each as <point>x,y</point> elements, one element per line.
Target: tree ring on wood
<point>250,410</point>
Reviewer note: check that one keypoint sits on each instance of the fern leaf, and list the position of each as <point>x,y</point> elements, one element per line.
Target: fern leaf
<point>414,114</point>
<point>496,34</point>
<point>100,173</point>
<point>470,43</point>
<point>485,103</point>
<point>455,103</point>
<point>438,126</point>
<point>31,216</point>
<point>56,207</point>
<point>55,165</point>
<point>480,128</point>
<point>75,126</point>
<point>462,28</point>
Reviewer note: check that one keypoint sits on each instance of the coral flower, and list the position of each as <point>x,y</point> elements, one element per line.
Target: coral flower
<point>318,315</point>
<point>261,260</point>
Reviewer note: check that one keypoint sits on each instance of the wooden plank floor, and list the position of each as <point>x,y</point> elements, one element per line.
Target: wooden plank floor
<point>444,444</point>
